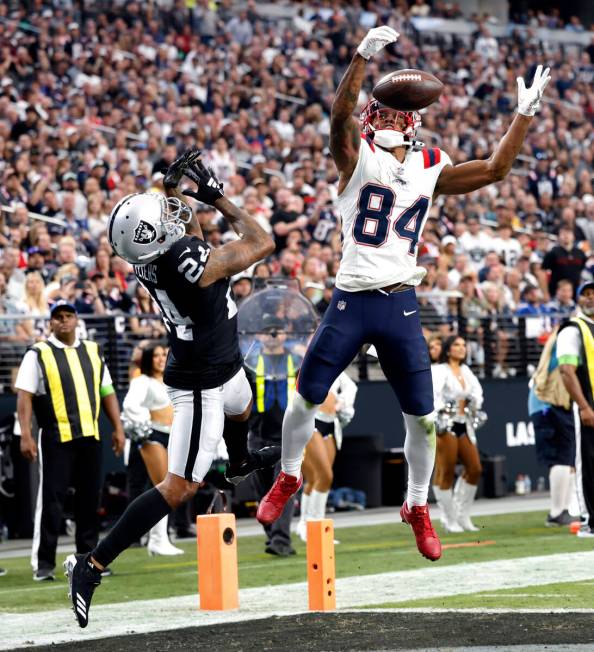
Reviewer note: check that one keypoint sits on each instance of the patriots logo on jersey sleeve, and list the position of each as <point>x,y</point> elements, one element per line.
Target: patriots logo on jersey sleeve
<point>144,233</point>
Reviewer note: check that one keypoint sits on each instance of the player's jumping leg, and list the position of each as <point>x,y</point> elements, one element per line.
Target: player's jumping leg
<point>238,406</point>
<point>332,348</point>
<point>403,355</point>
<point>195,433</point>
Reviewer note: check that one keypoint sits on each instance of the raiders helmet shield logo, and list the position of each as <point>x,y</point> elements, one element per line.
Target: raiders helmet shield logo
<point>144,233</point>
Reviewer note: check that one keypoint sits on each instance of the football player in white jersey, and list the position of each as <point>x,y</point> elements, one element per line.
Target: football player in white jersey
<point>387,183</point>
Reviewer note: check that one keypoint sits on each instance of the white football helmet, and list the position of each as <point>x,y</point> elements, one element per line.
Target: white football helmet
<point>145,225</point>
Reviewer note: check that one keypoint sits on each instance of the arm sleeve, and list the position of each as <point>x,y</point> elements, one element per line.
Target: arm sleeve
<point>189,257</point>
<point>569,346</point>
<point>134,401</point>
<point>29,374</point>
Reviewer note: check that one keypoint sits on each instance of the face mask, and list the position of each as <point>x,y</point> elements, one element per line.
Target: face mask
<point>388,138</point>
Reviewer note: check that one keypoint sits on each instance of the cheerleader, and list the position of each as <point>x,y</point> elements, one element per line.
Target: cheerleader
<point>147,417</point>
<point>458,399</point>
<point>335,413</point>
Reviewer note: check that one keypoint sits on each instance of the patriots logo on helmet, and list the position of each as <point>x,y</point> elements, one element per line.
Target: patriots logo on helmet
<point>144,233</point>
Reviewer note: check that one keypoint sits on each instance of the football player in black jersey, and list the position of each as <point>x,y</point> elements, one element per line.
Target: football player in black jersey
<point>210,393</point>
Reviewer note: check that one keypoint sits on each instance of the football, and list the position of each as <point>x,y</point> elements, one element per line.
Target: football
<point>408,89</point>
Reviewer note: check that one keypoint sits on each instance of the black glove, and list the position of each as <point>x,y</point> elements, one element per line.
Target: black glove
<point>209,187</point>
<point>177,169</point>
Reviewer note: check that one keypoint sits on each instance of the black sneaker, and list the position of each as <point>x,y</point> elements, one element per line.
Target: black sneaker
<point>43,575</point>
<point>562,520</point>
<point>259,459</point>
<point>83,579</point>
<point>280,549</point>
<point>3,571</point>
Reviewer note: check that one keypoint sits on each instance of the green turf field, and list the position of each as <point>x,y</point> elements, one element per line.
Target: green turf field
<point>362,551</point>
<point>567,595</point>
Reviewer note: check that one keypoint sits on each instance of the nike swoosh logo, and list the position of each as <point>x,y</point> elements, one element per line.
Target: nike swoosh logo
<point>185,251</point>
<point>408,314</point>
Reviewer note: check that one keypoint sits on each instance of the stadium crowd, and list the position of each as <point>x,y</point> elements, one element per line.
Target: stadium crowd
<point>95,106</point>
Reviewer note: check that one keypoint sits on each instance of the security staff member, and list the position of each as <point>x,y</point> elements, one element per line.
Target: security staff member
<point>65,380</point>
<point>275,376</point>
<point>575,351</point>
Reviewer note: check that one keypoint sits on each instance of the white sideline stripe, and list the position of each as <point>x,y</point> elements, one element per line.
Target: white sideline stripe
<point>143,616</point>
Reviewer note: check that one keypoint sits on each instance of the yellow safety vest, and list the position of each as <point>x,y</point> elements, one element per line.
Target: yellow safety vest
<point>72,376</point>
<point>585,371</point>
<point>261,382</point>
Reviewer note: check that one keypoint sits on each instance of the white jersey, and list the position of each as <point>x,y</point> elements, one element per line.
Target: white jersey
<point>384,209</point>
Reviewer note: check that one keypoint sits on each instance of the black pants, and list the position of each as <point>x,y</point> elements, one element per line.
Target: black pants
<point>584,469</point>
<point>280,531</point>
<point>74,464</point>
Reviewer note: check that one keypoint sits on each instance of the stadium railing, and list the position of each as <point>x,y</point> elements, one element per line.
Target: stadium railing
<point>499,345</point>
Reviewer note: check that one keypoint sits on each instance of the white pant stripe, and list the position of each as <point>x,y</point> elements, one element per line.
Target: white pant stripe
<point>38,511</point>
<point>579,480</point>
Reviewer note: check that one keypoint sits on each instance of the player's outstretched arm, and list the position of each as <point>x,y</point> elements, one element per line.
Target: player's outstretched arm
<point>232,257</point>
<point>237,256</point>
<point>466,177</point>
<point>344,129</point>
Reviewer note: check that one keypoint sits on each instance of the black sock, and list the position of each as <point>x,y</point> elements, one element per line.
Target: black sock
<point>235,434</point>
<point>140,516</point>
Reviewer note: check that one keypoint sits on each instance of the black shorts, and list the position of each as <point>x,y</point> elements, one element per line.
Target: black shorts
<point>459,429</point>
<point>156,436</point>
<point>325,428</point>
<point>554,436</point>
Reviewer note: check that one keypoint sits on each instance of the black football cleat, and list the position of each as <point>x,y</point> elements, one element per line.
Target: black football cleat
<point>257,459</point>
<point>83,579</point>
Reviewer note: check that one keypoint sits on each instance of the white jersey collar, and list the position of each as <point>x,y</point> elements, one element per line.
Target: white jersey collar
<point>56,342</point>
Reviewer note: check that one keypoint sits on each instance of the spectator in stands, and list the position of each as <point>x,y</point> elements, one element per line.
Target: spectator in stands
<point>563,303</point>
<point>531,303</point>
<point>564,261</point>
<point>497,311</point>
<point>11,330</point>
<point>141,322</point>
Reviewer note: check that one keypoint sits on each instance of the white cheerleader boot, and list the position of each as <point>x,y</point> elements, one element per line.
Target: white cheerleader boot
<point>301,529</point>
<point>464,494</point>
<point>445,501</point>
<point>158,543</point>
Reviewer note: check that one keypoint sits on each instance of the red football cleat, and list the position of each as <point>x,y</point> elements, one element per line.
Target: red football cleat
<point>273,503</point>
<point>428,542</point>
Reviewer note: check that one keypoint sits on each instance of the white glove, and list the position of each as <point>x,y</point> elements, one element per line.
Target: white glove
<point>377,39</point>
<point>529,98</point>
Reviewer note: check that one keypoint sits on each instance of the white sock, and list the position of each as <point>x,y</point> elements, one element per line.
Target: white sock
<point>559,481</point>
<point>317,504</point>
<point>305,500</point>
<point>298,427</point>
<point>419,450</point>
<point>573,502</point>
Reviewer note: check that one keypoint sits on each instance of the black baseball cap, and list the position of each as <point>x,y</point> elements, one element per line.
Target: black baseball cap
<point>589,285</point>
<point>62,305</point>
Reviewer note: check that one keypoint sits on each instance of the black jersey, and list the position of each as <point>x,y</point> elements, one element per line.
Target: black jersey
<point>202,322</point>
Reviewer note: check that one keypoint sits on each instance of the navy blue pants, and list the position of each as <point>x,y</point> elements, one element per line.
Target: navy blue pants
<point>390,322</point>
<point>554,434</point>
